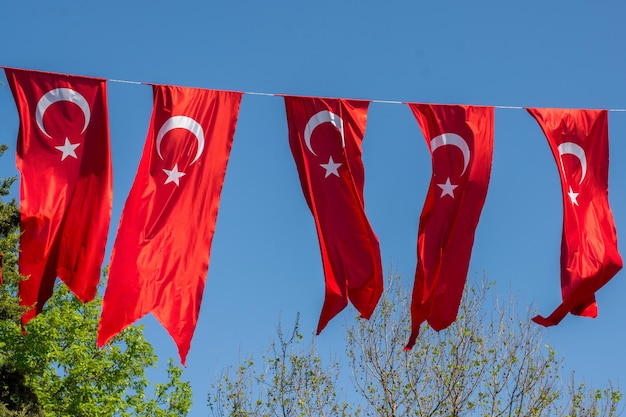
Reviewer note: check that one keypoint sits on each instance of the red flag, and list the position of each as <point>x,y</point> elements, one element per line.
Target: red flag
<point>460,140</point>
<point>579,140</point>
<point>325,137</point>
<point>161,254</point>
<point>64,159</point>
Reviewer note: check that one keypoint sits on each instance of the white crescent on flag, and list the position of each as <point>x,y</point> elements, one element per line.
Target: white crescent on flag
<point>454,140</point>
<point>186,123</point>
<point>571,148</point>
<point>319,118</point>
<point>61,94</point>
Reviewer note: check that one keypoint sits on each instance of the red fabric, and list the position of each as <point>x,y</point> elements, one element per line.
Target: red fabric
<point>161,254</point>
<point>579,140</point>
<point>63,155</point>
<point>332,179</point>
<point>461,161</point>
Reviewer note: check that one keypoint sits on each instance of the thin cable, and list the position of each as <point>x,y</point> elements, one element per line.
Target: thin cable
<point>259,94</point>
<point>255,93</point>
<point>125,82</point>
<point>387,102</point>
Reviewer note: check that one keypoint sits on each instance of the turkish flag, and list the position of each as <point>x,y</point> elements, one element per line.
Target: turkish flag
<point>325,137</point>
<point>460,140</point>
<point>64,158</point>
<point>161,254</point>
<point>579,140</point>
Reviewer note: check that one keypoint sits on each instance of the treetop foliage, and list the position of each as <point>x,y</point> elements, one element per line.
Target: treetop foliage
<point>490,362</point>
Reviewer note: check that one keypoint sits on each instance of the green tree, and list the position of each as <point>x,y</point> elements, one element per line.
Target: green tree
<point>55,369</point>
<point>490,362</point>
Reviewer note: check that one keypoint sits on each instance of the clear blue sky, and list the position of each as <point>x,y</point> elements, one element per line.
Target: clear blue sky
<point>265,261</point>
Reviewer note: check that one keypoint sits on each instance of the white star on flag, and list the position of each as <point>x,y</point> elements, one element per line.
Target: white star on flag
<point>173,175</point>
<point>68,149</point>
<point>331,167</point>
<point>573,196</point>
<point>447,188</point>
